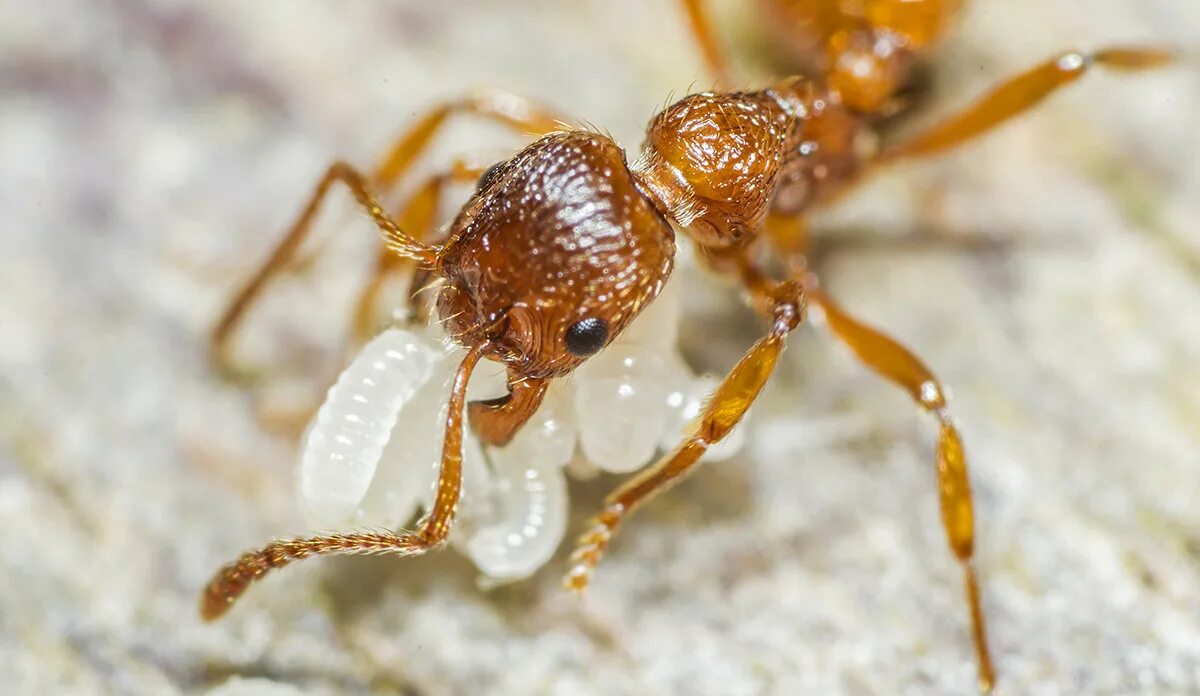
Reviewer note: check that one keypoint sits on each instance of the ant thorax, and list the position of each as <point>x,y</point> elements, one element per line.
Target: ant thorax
<point>371,455</point>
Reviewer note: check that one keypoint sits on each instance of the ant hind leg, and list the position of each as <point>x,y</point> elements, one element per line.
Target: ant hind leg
<point>900,366</point>
<point>1020,93</point>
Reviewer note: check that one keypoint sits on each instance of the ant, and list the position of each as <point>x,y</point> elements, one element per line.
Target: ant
<point>870,51</point>
<point>561,246</point>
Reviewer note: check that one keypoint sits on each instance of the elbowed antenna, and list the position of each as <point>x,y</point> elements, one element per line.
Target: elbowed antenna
<point>395,239</point>
<point>232,581</point>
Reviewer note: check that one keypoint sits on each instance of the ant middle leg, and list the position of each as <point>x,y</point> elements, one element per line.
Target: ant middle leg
<point>1020,93</point>
<point>724,408</point>
<point>511,110</point>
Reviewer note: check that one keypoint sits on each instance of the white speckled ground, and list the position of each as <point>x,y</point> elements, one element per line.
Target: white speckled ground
<point>150,151</point>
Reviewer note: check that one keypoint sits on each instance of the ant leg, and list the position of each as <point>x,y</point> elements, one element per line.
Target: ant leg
<point>505,108</point>
<point>419,216</point>
<point>1019,94</point>
<point>898,365</point>
<point>234,579</point>
<point>788,235</point>
<point>508,109</point>
<point>700,24</point>
<point>724,408</point>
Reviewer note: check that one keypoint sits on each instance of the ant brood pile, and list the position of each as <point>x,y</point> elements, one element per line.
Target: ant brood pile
<point>368,459</point>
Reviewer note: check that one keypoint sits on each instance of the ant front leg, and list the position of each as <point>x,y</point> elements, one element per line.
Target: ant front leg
<point>232,581</point>
<point>1019,94</point>
<point>507,109</point>
<point>724,408</point>
<point>900,366</point>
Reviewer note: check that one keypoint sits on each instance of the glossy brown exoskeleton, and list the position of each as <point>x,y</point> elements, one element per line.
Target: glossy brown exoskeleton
<point>555,253</point>
<point>562,245</point>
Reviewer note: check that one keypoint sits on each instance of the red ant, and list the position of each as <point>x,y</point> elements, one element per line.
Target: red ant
<point>561,246</point>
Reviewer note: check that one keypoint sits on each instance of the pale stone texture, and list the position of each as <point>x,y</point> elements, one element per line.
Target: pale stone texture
<point>151,151</point>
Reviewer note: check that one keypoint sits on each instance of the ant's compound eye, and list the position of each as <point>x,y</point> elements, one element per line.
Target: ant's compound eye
<point>489,175</point>
<point>587,336</point>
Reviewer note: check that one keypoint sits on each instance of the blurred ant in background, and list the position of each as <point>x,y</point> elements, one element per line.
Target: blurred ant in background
<point>561,246</point>
<point>869,61</point>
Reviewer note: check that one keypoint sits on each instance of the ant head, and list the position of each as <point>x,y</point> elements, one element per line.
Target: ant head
<point>553,255</point>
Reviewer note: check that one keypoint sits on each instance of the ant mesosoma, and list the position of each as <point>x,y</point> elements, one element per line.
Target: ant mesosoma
<point>561,246</point>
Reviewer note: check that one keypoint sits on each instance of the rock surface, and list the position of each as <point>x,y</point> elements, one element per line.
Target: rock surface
<point>153,150</point>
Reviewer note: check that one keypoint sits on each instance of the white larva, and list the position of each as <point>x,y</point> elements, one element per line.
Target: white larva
<point>346,439</point>
<point>372,453</point>
<point>527,517</point>
<point>619,395</point>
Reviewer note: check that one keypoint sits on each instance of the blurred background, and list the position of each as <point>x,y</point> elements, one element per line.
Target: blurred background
<point>151,152</point>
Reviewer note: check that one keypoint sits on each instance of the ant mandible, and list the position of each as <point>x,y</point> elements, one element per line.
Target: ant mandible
<point>560,247</point>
